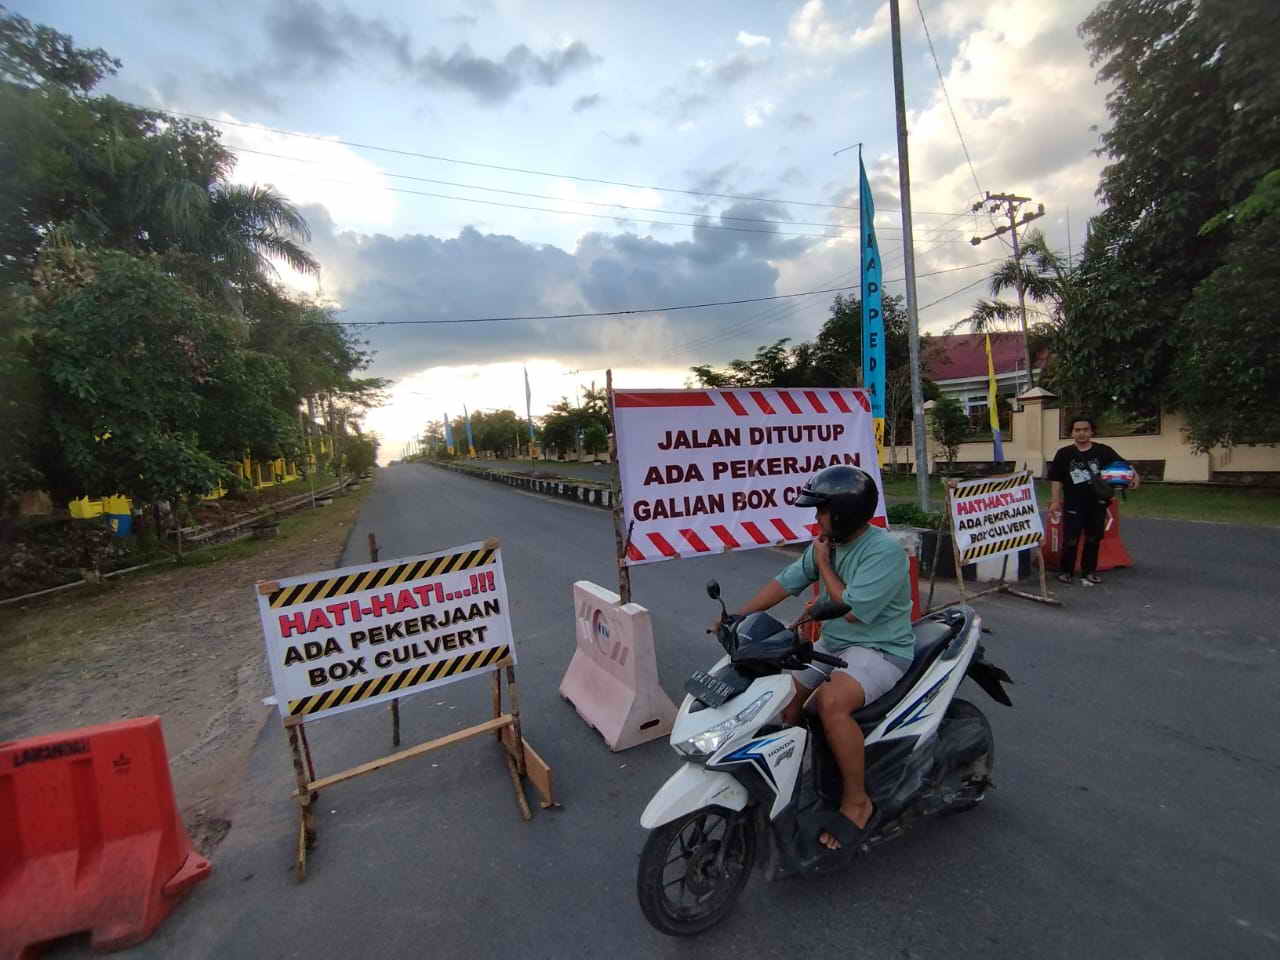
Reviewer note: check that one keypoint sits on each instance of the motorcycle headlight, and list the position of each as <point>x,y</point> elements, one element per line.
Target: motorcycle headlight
<point>704,744</point>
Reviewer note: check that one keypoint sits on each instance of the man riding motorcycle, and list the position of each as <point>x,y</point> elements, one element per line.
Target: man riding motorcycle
<point>860,565</point>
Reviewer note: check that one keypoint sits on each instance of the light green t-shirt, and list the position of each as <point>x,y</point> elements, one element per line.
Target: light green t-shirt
<point>877,588</point>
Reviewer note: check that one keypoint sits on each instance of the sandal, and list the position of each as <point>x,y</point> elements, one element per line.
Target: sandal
<point>813,825</point>
<point>1066,578</point>
<point>1092,578</point>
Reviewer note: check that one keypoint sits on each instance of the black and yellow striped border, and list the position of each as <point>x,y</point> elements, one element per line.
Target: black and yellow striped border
<point>399,682</point>
<point>999,546</point>
<point>991,486</point>
<point>380,577</point>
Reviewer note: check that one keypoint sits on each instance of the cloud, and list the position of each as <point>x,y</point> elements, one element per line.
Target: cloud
<point>799,120</point>
<point>460,20</point>
<point>756,114</point>
<point>737,68</point>
<point>586,103</point>
<point>376,277</point>
<point>308,41</point>
<point>752,40</point>
<point>1029,136</point>
<point>631,139</point>
<point>812,30</point>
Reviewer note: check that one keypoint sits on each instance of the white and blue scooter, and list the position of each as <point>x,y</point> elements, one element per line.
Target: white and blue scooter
<point>747,781</point>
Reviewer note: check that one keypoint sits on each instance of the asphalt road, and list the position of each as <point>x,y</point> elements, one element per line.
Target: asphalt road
<point>1138,776</point>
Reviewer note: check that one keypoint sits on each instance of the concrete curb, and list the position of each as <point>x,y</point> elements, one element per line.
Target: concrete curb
<point>592,494</point>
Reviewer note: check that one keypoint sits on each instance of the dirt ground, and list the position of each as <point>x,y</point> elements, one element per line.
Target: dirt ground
<point>181,642</point>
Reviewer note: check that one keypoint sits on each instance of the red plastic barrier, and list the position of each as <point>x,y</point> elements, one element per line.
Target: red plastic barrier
<point>1111,553</point>
<point>90,838</point>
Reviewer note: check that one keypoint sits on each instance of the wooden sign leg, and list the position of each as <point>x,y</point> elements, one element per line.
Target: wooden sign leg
<point>395,704</point>
<point>513,750</point>
<point>955,547</point>
<point>306,822</point>
<point>496,689</point>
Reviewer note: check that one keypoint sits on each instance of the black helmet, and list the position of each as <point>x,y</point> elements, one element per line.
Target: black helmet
<point>848,492</point>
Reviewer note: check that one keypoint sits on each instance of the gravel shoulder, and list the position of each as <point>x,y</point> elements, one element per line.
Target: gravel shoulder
<point>184,643</point>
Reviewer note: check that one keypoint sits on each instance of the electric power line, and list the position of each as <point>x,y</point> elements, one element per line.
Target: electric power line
<point>594,203</point>
<point>522,170</point>
<point>624,313</point>
<point>947,96</point>
<point>839,230</point>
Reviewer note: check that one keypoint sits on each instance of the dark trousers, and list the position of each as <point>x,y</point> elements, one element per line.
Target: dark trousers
<point>1087,517</point>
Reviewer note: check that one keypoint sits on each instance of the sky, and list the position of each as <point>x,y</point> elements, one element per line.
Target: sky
<point>504,158</point>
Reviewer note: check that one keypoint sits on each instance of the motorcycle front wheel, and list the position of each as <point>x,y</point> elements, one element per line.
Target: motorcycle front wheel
<point>693,868</point>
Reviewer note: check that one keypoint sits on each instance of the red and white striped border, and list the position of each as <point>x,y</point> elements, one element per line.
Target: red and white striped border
<point>651,547</point>
<point>744,534</point>
<point>744,403</point>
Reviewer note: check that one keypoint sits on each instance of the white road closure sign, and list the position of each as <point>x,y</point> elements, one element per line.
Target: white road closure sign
<point>995,515</point>
<point>706,471</point>
<point>349,638</point>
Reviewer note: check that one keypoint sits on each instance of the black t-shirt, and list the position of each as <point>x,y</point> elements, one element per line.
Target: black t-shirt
<point>1075,469</point>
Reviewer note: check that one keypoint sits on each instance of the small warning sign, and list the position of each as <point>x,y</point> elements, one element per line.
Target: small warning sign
<point>353,637</point>
<point>995,516</point>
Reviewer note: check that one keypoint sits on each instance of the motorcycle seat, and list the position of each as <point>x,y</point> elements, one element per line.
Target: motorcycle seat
<point>931,639</point>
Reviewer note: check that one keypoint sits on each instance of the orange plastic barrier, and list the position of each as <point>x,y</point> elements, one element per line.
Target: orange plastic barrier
<point>90,838</point>
<point>1111,553</point>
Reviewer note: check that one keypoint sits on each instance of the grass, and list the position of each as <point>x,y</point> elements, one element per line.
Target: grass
<point>301,524</point>
<point>1167,501</point>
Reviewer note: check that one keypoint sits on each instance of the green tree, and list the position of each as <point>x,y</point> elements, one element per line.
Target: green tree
<point>126,420</point>
<point>1228,370</point>
<point>1195,124</point>
<point>595,439</point>
<point>950,426</point>
<point>32,55</point>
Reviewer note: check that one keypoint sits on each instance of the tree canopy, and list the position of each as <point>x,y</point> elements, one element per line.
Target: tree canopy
<point>145,344</point>
<point>1195,127</point>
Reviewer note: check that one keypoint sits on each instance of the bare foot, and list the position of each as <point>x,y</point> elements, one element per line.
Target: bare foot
<point>858,812</point>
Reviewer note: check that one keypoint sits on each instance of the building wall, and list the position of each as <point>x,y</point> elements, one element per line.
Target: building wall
<point>1182,463</point>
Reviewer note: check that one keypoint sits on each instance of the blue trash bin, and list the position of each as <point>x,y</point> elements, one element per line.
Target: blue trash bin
<point>121,524</point>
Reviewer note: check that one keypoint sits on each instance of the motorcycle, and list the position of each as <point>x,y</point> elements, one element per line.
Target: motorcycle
<point>747,782</point>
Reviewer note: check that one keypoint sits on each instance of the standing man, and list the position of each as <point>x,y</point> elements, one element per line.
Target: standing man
<point>1081,493</point>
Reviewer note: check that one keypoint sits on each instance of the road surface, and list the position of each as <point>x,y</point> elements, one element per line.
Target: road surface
<point>1135,817</point>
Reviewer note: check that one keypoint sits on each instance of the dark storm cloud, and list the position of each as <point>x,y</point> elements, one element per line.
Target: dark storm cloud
<point>309,41</point>
<point>483,275</point>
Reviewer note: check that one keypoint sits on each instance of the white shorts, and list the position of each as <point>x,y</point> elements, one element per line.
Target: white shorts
<point>875,672</point>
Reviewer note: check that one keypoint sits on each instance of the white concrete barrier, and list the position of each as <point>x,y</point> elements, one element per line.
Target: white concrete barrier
<point>612,680</point>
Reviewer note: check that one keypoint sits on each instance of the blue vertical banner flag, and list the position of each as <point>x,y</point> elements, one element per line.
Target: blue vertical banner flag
<point>872,306</point>
<point>471,440</point>
<point>448,435</point>
<point>993,410</point>
<point>528,409</point>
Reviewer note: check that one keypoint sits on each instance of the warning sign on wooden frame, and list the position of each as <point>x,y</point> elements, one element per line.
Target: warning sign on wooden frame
<point>994,516</point>
<point>349,638</point>
<point>705,471</point>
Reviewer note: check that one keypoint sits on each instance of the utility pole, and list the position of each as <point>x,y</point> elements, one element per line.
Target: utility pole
<point>1011,203</point>
<point>909,262</point>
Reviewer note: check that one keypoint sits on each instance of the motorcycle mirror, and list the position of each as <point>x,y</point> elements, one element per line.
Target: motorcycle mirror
<point>713,590</point>
<point>828,610</point>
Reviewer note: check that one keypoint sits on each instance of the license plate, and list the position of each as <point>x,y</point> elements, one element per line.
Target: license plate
<point>702,686</point>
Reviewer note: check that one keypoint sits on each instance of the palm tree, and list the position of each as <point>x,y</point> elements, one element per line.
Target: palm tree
<point>1047,280</point>
<point>161,187</point>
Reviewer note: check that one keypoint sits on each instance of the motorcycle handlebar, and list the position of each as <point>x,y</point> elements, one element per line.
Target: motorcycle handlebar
<point>826,658</point>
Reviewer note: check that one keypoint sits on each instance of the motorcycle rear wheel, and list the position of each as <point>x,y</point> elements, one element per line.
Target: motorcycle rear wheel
<point>693,868</point>
<point>967,733</point>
